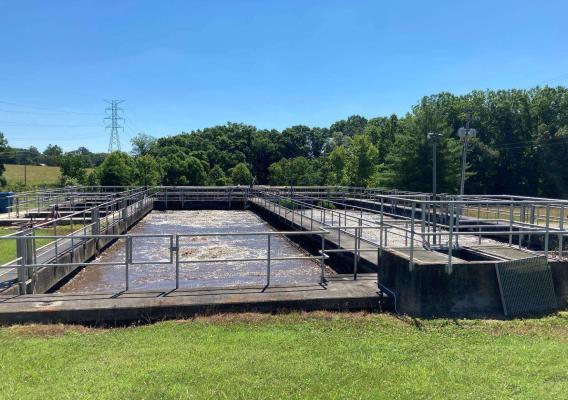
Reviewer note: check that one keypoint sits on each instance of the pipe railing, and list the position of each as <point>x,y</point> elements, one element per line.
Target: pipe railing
<point>175,248</point>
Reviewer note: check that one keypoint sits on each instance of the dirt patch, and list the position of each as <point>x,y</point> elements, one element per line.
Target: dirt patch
<point>42,330</point>
<point>552,326</point>
<point>280,317</point>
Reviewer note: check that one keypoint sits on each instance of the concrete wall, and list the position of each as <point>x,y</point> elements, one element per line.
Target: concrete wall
<point>471,290</point>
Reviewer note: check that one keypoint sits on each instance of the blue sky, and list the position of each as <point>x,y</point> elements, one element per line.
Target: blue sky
<point>183,65</point>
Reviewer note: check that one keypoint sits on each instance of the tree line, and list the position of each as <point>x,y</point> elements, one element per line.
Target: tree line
<point>520,149</point>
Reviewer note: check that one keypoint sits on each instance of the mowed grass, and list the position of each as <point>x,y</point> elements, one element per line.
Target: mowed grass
<point>36,175</point>
<point>8,246</point>
<point>302,355</point>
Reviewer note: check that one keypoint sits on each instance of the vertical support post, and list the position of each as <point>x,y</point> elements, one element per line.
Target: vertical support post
<point>322,261</point>
<point>449,267</point>
<point>22,255</point>
<point>381,229</point>
<point>561,235</point>
<point>312,218</point>
<point>531,221</point>
<point>127,255</point>
<point>356,252</point>
<point>55,234</point>
<point>177,262</point>
<point>422,220</point>
<point>411,250</point>
<point>268,259</point>
<point>522,227</point>
<point>546,235</point>
<point>339,231</point>
<point>511,223</point>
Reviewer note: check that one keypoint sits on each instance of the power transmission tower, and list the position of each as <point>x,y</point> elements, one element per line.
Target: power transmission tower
<point>114,117</point>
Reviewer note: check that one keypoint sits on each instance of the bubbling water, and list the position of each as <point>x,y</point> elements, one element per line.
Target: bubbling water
<point>152,251</point>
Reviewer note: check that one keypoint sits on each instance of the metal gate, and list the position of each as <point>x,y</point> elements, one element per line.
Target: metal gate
<point>526,286</point>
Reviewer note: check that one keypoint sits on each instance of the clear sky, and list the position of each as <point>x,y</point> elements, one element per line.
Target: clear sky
<point>183,65</point>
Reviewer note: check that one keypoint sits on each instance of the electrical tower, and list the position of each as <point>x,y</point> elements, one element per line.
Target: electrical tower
<point>114,117</point>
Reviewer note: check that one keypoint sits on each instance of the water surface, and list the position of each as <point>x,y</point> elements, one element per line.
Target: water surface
<point>153,250</point>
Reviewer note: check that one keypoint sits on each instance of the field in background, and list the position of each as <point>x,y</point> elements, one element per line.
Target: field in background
<point>36,175</point>
<point>8,247</point>
<point>300,355</point>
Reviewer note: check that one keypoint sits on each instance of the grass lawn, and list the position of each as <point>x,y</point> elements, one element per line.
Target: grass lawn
<point>300,355</point>
<point>36,175</point>
<point>8,247</point>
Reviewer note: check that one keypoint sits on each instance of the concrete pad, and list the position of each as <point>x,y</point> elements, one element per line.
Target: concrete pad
<point>341,293</point>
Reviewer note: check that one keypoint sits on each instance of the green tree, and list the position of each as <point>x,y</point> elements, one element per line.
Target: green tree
<point>72,167</point>
<point>142,144</point>
<point>52,154</point>
<point>116,170</point>
<point>240,174</point>
<point>337,160</point>
<point>194,172</point>
<point>217,177</point>
<point>354,125</point>
<point>147,171</point>
<point>296,171</point>
<point>361,161</point>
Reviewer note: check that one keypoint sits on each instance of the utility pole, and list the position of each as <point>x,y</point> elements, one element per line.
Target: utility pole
<point>114,117</point>
<point>434,138</point>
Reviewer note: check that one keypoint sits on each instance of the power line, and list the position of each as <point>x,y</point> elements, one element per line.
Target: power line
<point>114,117</point>
<point>46,109</point>
<point>27,139</point>
<point>16,124</point>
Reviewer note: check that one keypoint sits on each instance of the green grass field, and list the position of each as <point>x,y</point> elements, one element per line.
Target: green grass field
<point>8,247</point>
<point>302,356</point>
<point>36,175</point>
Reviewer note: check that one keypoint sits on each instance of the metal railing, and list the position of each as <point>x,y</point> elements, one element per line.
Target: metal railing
<point>111,216</point>
<point>27,264</point>
<point>435,219</point>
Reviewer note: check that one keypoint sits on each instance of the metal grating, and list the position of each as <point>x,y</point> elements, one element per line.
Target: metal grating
<point>526,286</point>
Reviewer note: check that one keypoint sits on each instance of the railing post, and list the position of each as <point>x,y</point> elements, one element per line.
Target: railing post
<point>411,250</point>
<point>356,254</point>
<point>177,262</point>
<point>268,236</point>
<point>546,235</point>
<point>23,254</point>
<point>522,226</point>
<point>449,267</point>
<point>127,255</point>
<point>511,224</point>
<point>322,261</point>
<point>55,234</point>
<point>312,218</point>
<point>95,220</point>
<point>561,235</point>
<point>381,230</point>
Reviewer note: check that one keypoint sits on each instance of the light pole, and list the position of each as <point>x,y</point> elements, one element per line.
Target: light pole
<point>434,138</point>
<point>464,134</point>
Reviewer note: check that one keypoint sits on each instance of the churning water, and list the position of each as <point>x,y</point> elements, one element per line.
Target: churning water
<point>161,276</point>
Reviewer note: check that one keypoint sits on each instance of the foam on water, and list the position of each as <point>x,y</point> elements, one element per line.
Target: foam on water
<point>153,276</point>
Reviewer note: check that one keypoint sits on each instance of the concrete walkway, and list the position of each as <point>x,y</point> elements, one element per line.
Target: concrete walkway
<point>340,293</point>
